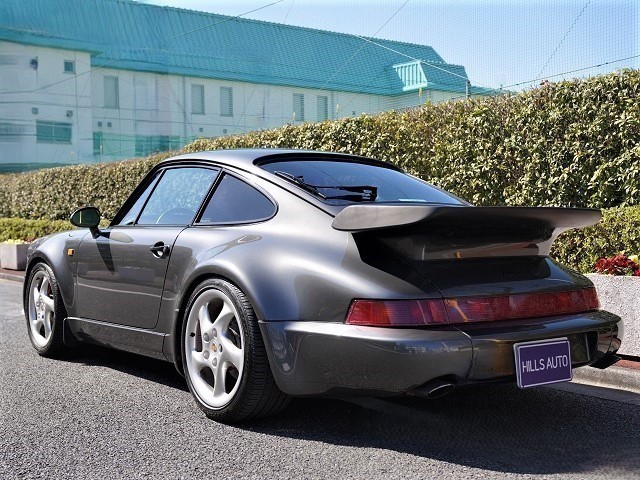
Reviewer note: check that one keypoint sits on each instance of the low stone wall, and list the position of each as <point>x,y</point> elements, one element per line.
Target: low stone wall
<point>13,256</point>
<point>621,295</point>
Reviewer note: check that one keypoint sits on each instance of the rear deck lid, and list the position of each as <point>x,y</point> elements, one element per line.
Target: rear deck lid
<point>435,232</point>
<point>466,251</point>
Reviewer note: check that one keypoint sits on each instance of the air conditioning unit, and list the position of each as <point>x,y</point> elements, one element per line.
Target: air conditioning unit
<point>69,113</point>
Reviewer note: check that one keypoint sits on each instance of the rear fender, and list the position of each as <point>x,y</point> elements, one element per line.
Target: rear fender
<point>288,284</point>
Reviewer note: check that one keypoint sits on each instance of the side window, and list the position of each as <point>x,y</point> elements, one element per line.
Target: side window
<point>177,197</point>
<point>233,201</point>
<point>130,217</point>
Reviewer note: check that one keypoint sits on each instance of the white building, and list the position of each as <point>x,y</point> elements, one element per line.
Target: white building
<point>119,79</point>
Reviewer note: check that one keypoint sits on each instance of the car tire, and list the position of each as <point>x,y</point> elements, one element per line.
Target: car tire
<point>224,357</point>
<point>44,311</point>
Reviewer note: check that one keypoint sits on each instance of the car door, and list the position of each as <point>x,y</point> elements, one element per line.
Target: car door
<point>121,272</point>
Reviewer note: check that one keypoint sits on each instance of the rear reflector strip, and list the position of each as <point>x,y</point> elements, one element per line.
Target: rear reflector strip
<point>452,311</point>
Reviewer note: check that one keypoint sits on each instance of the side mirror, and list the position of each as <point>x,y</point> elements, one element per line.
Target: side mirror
<point>87,217</point>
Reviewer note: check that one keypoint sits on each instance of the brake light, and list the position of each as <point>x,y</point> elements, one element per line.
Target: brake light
<point>526,305</point>
<point>396,312</point>
<point>471,309</point>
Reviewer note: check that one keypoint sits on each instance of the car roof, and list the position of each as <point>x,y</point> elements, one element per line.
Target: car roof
<point>250,159</point>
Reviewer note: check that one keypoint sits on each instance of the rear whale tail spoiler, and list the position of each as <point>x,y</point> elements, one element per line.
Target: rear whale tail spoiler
<point>368,217</point>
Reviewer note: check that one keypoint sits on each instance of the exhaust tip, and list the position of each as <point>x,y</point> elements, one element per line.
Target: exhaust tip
<point>434,389</point>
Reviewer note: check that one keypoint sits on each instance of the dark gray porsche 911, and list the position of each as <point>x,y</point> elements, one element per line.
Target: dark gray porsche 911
<point>268,273</point>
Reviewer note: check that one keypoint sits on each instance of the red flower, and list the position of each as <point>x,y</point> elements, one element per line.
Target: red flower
<point>617,265</point>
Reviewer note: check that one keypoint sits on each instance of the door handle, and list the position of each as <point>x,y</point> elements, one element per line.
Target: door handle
<point>160,250</point>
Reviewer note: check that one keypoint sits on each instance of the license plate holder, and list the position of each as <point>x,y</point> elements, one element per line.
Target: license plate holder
<point>543,362</point>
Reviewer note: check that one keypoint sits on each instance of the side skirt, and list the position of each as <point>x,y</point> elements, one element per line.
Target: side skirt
<point>121,337</point>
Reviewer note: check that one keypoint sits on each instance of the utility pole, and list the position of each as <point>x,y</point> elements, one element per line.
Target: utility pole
<point>467,86</point>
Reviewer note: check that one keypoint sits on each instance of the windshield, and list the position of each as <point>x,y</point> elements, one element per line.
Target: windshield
<point>338,182</point>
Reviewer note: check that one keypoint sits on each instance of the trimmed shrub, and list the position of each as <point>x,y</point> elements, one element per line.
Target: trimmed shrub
<point>574,143</point>
<point>617,232</point>
<point>21,229</point>
<point>54,193</point>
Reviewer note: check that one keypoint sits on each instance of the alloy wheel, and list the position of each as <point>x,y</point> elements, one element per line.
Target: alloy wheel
<point>41,309</point>
<point>214,348</point>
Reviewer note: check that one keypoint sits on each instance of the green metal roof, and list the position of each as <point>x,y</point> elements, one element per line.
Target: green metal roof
<point>129,35</point>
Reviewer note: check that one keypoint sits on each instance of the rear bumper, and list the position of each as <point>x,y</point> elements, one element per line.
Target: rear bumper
<point>315,358</point>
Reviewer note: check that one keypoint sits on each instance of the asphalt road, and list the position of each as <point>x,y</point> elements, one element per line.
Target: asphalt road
<point>106,414</point>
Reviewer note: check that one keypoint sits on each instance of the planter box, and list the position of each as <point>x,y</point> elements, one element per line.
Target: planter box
<point>13,256</point>
<point>621,295</point>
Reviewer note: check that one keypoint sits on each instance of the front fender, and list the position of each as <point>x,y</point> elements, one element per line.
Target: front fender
<point>58,252</point>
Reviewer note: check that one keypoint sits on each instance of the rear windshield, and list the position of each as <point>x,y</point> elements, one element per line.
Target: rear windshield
<point>352,182</point>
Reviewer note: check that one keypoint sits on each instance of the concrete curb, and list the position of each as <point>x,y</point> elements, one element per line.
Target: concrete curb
<point>619,378</point>
<point>12,277</point>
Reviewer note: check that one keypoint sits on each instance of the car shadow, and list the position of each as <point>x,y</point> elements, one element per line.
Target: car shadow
<point>499,428</point>
<point>157,371</point>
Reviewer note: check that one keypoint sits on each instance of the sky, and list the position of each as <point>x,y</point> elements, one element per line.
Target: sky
<point>509,44</point>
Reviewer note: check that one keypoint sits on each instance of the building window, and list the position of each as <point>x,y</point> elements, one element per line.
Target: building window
<point>53,132</point>
<point>97,143</point>
<point>111,94</point>
<point>69,66</point>
<point>145,92</point>
<point>298,107</point>
<point>10,132</point>
<point>146,145</point>
<point>197,99</point>
<point>323,108</point>
<point>226,102</point>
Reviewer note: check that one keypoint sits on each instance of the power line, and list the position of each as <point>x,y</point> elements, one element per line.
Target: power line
<point>288,11</point>
<point>64,80</point>
<point>423,62</point>
<point>118,59</point>
<point>173,93</point>
<point>244,106</point>
<point>565,36</point>
<point>322,87</point>
<point>505,88</point>
<point>571,71</point>
<point>358,50</point>
<point>225,20</point>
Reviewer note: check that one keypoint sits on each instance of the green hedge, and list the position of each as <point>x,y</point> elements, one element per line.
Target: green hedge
<point>619,231</point>
<point>21,229</point>
<point>571,143</point>
<point>574,143</point>
<point>54,193</point>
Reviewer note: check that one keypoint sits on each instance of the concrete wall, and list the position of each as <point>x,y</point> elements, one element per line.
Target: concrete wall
<point>621,295</point>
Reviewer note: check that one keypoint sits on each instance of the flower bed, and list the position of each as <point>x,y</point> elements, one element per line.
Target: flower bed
<point>619,265</point>
<point>618,285</point>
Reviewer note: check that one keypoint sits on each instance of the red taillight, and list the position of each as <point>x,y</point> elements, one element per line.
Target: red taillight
<point>525,305</point>
<point>470,309</point>
<point>396,312</point>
